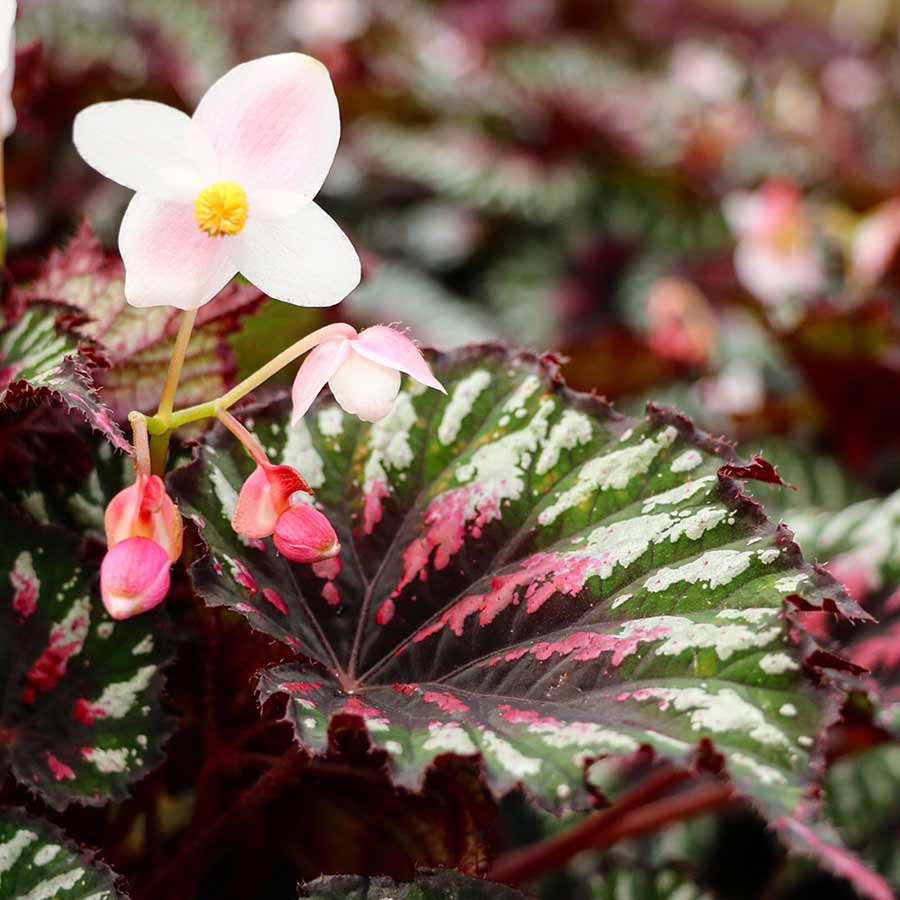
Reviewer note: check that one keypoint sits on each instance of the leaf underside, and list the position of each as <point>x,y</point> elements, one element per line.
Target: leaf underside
<point>80,718</point>
<point>441,885</point>
<point>527,575</point>
<point>42,355</point>
<point>37,861</point>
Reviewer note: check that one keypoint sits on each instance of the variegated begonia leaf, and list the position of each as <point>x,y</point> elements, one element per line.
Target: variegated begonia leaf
<point>80,717</point>
<point>527,575</point>
<point>42,353</point>
<point>138,342</point>
<point>37,861</point>
<point>440,885</point>
<point>862,795</point>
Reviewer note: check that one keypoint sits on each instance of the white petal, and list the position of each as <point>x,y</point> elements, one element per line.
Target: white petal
<point>168,260</point>
<point>7,52</point>
<point>274,123</point>
<point>365,388</point>
<point>146,146</point>
<point>305,259</point>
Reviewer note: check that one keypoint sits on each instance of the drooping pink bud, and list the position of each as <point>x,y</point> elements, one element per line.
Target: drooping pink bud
<point>144,509</point>
<point>304,535</point>
<point>134,577</point>
<point>265,495</point>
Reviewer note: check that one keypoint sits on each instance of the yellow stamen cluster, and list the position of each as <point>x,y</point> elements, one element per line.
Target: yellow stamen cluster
<point>221,208</point>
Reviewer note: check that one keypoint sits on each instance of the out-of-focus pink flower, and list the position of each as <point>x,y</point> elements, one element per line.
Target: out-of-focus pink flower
<point>144,535</point>
<point>363,372</point>
<point>8,62</point>
<point>874,245</point>
<point>777,256</point>
<point>228,190</point>
<point>134,577</point>
<point>682,324</point>
<point>305,535</point>
<point>265,496</point>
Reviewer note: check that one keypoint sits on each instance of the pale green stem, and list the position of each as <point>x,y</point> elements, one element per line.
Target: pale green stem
<point>251,445</point>
<point>208,410</point>
<point>167,400</point>
<point>160,442</point>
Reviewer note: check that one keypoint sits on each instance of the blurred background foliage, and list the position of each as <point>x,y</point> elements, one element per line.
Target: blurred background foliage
<point>690,201</point>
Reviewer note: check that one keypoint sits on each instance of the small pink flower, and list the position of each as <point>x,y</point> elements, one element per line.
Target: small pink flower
<point>134,577</point>
<point>264,497</point>
<point>363,372</point>
<point>228,190</point>
<point>304,535</point>
<point>777,256</point>
<point>144,533</point>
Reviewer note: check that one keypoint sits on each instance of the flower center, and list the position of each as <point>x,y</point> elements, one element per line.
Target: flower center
<point>221,208</point>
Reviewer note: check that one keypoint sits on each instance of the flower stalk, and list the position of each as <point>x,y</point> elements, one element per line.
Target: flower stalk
<point>160,426</point>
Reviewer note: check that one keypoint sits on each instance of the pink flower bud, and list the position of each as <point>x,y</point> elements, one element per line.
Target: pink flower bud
<point>304,535</point>
<point>145,510</point>
<point>134,577</point>
<point>266,495</point>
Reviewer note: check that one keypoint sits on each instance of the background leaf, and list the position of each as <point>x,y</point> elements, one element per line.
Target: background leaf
<point>36,861</point>
<point>81,714</point>
<point>139,342</point>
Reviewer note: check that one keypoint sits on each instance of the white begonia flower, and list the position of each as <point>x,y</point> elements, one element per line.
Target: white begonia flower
<point>7,54</point>
<point>228,190</point>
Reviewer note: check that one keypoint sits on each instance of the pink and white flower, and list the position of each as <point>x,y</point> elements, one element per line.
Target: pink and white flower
<point>268,506</point>
<point>144,535</point>
<point>777,256</point>
<point>362,370</point>
<point>228,190</point>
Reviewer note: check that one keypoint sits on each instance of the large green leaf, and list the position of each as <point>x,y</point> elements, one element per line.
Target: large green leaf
<point>528,576</point>
<point>80,716</point>
<point>440,885</point>
<point>43,354</point>
<point>38,863</point>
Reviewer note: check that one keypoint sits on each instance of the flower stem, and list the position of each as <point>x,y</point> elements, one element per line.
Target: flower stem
<point>631,816</point>
<point>179,351</point>
<point>142,463</point>
<point>251,445</point>
<point>251,382</point>
<point>160,442</point>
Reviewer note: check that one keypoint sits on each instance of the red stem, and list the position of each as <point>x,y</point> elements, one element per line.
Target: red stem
<point>631,816</point>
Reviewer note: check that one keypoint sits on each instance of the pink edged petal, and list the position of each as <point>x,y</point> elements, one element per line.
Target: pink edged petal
<point>145,146</point>
<point>168,260</point>
<point>364,388</point>
<point>314,373</point>
<point>265,495</point>
<point>393,348</point>
<point>255,514</point>
<point>304,259</point>
<point>305,535</point>
<point>134,577</point>
<point>122,513</point>
<point>274,123</point>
